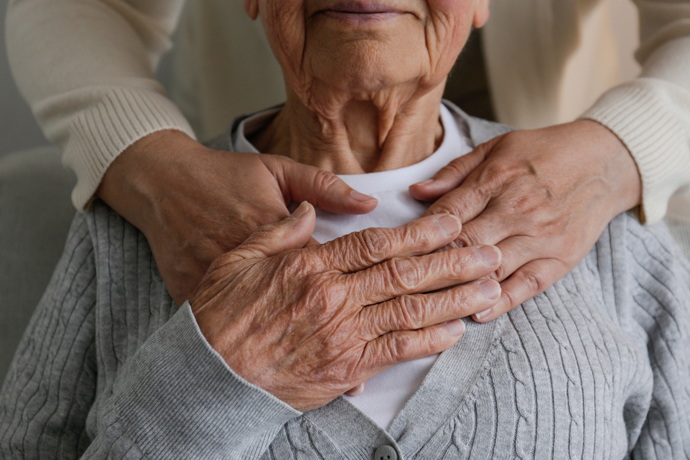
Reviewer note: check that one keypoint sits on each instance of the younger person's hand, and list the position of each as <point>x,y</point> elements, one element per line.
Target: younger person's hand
<point>194,204</point>
<point>542,196</point>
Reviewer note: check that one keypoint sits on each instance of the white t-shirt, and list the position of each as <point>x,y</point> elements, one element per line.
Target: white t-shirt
<point>386,393</point>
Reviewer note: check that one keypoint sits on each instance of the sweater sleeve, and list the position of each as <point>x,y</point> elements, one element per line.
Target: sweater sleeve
<point>86,68</point>
<point>174,397</point>
<point>651,114</point>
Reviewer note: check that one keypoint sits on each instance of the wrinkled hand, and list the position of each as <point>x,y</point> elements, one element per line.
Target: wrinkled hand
<point>542,196</point>
<point>194,204</point>
<point>309,324</point>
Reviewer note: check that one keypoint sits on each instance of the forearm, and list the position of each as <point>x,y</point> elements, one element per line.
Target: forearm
<point>651,114</point>
<point>86,68</point>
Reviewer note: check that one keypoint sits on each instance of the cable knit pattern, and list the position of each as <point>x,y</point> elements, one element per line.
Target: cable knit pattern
<point>597,367</point>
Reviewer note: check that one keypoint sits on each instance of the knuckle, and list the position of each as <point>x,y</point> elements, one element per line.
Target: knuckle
<point>403,346</point>
<point>321,294</point>
<point>436,342</point>
<point>334,373</point>
<point>455,264</point>
<point>461,301</point>
<point>470,237</point>
<point>513,300</point>
<point>455,168</point>
<point>297,262</point>
<point>403,272</point>
<point>412,310</point>
<point>422,235</point>
<point>501,272</point>
<point>374,244</point>
<point>494,178</point>
<point>527,202</point>
<point>324,179</point>
<point>447,205</point>
<point>535,281</point>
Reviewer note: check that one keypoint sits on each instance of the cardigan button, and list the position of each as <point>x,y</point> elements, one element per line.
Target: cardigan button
<point>385,453</point>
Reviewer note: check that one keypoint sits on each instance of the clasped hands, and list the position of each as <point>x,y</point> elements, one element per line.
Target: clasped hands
<point>542,197</point>
<point>308,323</point>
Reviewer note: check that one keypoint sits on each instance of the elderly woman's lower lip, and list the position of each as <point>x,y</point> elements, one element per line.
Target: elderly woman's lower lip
<point>361,17</point>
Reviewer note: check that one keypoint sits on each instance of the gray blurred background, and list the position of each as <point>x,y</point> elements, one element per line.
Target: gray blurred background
<point>18,130</point>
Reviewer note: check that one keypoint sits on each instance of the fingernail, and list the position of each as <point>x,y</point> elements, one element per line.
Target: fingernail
<point>490,254</point>
<point>356,391</point>
<point>483,315</point>
<point>491,289</point>
<point>425,182</point>
<point>449,224</point>
<point>301,210</point>
<point>361,196</point>
<point>456,327</point>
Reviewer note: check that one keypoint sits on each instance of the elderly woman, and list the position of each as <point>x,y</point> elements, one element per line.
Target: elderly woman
<point>255,365</point>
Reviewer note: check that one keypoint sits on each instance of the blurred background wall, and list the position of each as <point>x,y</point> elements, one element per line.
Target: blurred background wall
<point>19,131</point>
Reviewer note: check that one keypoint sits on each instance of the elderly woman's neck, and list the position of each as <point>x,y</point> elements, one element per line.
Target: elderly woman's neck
<point>356,136</point>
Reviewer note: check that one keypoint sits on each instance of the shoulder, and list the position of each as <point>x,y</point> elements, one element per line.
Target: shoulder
<point>648,276</point>
<point>111,235</point>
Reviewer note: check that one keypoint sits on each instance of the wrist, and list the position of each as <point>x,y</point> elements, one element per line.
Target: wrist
<point>135,181</point>
<point>618,167</point>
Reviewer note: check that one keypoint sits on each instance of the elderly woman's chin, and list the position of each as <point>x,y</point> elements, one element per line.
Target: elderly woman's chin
<point>364,69</point>
<point>365,47</point>
<point>370,75</point>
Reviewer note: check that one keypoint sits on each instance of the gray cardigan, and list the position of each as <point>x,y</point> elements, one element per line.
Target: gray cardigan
<point>596,367</point>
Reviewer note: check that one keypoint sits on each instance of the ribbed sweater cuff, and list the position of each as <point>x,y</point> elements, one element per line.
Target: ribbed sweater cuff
<point>640,114</point>
<point>101,133</point>
<point>179,399</point>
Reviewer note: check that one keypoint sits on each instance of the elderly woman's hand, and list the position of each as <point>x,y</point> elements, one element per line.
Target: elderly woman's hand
<point>542,196</point>
<point>194,203</point>
<point>309,324</point>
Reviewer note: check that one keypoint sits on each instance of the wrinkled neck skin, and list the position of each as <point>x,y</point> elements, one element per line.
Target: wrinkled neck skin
<point>349,133</point>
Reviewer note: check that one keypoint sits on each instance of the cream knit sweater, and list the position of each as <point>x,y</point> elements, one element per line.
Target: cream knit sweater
<point>86,67</point>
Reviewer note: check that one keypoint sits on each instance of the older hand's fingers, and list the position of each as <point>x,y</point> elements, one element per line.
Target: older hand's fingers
<point>401,346</point>
<point>269,240</point>
<point>358,390</point>
<point>361,250</point>
<point>451,176</point>
<point>528,281</point>
<point>410,275</point>
<point>323,189</point>
<point>410,312</point>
